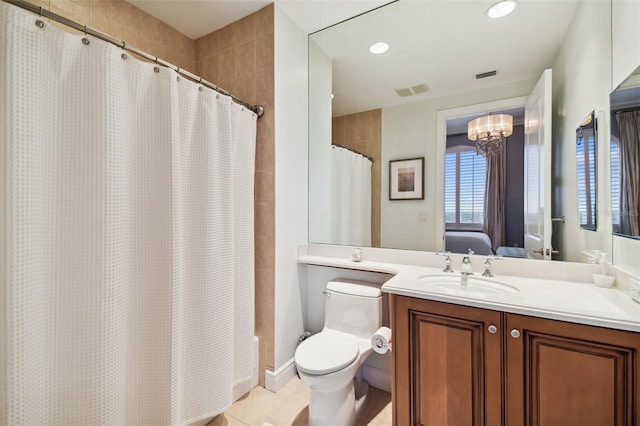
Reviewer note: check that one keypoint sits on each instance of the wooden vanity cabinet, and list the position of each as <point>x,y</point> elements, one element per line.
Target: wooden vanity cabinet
<point>456,366</point>
<point>447,366</point>
<point>561,373</point>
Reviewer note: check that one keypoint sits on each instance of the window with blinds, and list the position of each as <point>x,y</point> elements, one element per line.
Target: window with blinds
<point>586,178</point>
<point>615,184</point>
<point>465,182</point>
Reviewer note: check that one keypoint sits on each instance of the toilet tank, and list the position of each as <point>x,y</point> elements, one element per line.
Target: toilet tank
<point>353,307</point>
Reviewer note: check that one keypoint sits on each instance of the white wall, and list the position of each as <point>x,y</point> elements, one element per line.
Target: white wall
<point>410,131</point>
<point>581,76</point>
<point>291,170</point>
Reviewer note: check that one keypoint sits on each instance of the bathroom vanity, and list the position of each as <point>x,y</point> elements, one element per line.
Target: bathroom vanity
<point>530,346</point>
<point>460,365</point>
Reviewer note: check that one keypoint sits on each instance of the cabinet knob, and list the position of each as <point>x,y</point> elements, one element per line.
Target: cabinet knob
<point>515,333</point>
<point>493,329</point>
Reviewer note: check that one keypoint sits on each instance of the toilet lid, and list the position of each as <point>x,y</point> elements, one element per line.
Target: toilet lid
<point>326,352</point>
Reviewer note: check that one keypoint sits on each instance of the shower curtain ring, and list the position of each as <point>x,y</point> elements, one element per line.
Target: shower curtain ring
<point>40,22</point>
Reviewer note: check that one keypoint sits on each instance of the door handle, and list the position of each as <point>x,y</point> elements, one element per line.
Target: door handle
<point>548,251</point>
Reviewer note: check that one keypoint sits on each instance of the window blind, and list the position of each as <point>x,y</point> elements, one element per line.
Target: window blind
<point>465,182</point>
<point>615,185</point>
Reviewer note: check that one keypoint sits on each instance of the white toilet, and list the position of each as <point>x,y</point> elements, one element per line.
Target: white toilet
<point>329,361</point>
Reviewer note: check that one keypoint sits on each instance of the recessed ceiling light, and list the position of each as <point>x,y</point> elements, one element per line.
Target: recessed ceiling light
<point>502,8</point>
<point>379,47</point>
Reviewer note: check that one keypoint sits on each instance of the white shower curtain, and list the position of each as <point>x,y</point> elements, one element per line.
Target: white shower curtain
<point>350,198</point>
<point>127,289</point>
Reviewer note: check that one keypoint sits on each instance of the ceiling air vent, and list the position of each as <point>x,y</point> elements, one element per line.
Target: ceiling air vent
<point>420,88</point>
<point>404,92</point>
<point>413,90</point>
<point>486,74</point>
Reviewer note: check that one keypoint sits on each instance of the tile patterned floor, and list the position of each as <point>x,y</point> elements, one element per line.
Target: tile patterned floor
<point>290,407</point>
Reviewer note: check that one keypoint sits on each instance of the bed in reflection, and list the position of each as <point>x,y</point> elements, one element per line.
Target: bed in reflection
<point>463,241</point>
<point>479,242</point>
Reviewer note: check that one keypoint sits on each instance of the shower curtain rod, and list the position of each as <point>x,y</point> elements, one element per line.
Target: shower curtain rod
<point>259,110</point>
<point>352,150</point>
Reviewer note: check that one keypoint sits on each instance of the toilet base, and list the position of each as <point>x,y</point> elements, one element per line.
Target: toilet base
<point>361,389</point>
<point>338,407</point>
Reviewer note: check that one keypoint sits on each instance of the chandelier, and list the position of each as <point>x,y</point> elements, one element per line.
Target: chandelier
<point>490,133</point>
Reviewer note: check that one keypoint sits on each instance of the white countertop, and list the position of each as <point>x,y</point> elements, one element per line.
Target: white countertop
<point>576,302</point>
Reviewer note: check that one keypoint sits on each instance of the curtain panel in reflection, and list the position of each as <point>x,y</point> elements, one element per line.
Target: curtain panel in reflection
<point>350,198</point>
<point>494,198</point>
<point>629,136</point>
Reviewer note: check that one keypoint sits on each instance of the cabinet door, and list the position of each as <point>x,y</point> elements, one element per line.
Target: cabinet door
<point>562,374</point>
<point>447,364</point>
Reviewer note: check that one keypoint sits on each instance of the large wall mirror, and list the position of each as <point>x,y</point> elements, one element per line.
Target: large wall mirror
<point>625,157</point>
<point>387,107</point>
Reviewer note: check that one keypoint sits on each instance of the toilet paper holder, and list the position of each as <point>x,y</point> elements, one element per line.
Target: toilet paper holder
<point>380,344</point>
<point>381,340</point>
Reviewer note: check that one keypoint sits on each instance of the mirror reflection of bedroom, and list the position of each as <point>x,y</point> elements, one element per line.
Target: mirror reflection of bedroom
<point>484,184</point>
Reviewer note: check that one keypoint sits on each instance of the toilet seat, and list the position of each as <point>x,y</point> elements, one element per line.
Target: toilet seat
<point>326,352</point>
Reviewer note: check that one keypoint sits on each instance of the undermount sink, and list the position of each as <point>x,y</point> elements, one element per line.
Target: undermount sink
<point>476,286</point>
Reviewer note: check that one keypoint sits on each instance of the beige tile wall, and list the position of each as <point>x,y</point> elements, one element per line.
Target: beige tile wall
<point>362,132</point>
<point>239,58</point>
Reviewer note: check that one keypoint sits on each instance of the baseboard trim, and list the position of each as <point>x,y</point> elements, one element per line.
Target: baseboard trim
<point>275,380</point>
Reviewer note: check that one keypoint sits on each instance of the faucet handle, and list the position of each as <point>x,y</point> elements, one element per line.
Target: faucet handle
<point>487,265</point>
<point>447,260</point>
<point>470,252</point>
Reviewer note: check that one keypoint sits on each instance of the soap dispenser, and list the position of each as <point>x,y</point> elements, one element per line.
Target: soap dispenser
<point>604,277</point>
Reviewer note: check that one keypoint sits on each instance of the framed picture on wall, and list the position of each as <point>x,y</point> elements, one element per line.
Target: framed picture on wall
<point>406,179</point>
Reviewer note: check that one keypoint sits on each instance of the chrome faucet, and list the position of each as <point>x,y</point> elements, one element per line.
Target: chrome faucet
<point>467,268</point>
